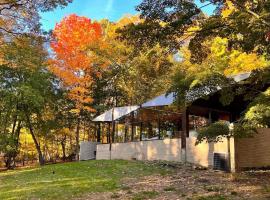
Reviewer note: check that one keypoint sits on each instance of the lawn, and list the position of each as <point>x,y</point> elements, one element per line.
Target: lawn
<point>71,180</point>
<point>133,180</point>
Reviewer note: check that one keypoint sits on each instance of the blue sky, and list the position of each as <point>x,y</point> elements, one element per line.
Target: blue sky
<point>96,10</point>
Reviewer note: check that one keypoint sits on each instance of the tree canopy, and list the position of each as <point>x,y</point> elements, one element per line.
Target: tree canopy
<point>50,95</point>
<point>232,40</point>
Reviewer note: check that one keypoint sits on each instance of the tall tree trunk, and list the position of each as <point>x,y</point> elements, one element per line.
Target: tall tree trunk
<point>14,124</point>
<point>63,145</point>
<point>78,138</point>
<point>6,120</point>
<point>11,157</point>
<point>37,145</point>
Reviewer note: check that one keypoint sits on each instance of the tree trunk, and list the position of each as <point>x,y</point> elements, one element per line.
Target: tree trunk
<point>37,145</point>
<point>63,145</point>
<point>10,162</point>
<point>78,138</point>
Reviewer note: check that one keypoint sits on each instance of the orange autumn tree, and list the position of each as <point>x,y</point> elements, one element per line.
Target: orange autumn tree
<point>72,63</point>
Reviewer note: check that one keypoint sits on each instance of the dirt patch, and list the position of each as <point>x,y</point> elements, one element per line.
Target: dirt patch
<point>188,182</point>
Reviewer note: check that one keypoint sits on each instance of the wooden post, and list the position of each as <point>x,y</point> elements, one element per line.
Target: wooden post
<point>150,130</point>
<point>116,132</point>
<point>109,133</point>
<point>185,124</point>
<point>132,126</point>
<point>113,131</point>
<point>132,132</point>
<point>159,131</point>
<point>126,132</point>
<point>98,132</point>
<point>111,136</point>
<point>184,133</point>
<point>141,127</point>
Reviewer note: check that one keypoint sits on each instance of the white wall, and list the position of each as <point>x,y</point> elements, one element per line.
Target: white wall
<point>168,149</point>
<point>87,150</point>
<point>202,154</point>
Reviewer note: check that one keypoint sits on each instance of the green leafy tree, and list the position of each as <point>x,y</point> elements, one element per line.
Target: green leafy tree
<point>243,28</point>
<point>28,91</point>
<point>167,22</point>
<point>23,16</point>
<point>129,78</point>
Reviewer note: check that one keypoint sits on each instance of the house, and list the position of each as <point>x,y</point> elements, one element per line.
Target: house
<point>157,130</point>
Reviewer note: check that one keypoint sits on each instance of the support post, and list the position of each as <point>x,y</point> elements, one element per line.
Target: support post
<point>141,127</point>
<point>98,132</point>
<point>184,133</point>
<point>132,132</point>
<point>126,132</point>
<point>112,136</point>
<point>109,133</point>
<point>113,131</point>
<point>159,131</point>
<point>116,132</point>
<point>132,126</point>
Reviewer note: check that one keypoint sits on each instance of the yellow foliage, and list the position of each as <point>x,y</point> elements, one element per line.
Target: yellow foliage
<point>219,46</point>
<point>223,60</point>
<point>243,62</point>
<point>228,9</point>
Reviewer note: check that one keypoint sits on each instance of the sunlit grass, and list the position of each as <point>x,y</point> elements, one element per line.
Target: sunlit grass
<point>65,181</point>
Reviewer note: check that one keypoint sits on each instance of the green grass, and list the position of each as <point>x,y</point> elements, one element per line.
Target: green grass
<point>69,180</point>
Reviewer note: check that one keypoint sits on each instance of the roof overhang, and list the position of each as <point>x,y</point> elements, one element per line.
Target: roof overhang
<point>168,99</point>
<point>115,113</point>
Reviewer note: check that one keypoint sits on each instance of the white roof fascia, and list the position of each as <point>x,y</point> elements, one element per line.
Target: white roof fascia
<point>162,100</point>
<point>118,113</point>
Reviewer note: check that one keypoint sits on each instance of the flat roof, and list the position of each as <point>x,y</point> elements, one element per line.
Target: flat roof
<point>118,113</point>
<point>168,99</point>
<point>162,100</point>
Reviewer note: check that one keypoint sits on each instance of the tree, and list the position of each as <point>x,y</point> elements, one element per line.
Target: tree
<point>245,23</point>
<point>22,16</point>
<point>132,78</point>
<point>242,27</point>
<point>73,64</point>
<point>27,90</point>
<point>214,71</point>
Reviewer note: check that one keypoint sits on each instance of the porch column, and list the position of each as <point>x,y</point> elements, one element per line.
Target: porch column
<point>116,132</point>
<point>141,127</point>
<point>159,131</point>
<point>185,124</point>
<point>126,132</point>
<point>132,126</point>
<point>109,133</point>
<point>184,133</point>
<point>113,131</point>
<point>132,132</point>
<point>98,132</point>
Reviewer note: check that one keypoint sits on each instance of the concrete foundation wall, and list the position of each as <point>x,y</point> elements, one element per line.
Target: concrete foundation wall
<point>168,149</point>
<point>253,152</point>
<point>203,153</point>
<point>88,150</point>
<point>244,153</point>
